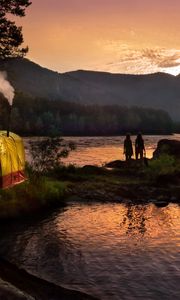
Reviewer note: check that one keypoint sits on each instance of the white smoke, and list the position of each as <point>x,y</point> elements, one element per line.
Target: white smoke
<point>6,88</point>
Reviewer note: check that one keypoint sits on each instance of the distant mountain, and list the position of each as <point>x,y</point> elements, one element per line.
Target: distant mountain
<point>160,90</point>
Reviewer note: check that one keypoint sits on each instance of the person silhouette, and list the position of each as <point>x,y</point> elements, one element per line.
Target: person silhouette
<point>128,149</point>
<point>139,147</point>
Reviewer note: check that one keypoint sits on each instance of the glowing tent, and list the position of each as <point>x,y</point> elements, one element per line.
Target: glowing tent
<point>12,160</point>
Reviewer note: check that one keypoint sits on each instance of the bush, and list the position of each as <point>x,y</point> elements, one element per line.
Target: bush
<point>30,196</point>
<point>47,153</point>
<point>163,165</point>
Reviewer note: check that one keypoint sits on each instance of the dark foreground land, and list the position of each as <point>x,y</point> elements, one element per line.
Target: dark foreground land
<point>16,284</point>
<point>135,182</point>
<point>126,185</point>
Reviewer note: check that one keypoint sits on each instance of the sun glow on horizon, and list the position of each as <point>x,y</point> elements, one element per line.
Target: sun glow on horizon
<point>175,71</point>
<point>127,60</point>
<point>129,37</point>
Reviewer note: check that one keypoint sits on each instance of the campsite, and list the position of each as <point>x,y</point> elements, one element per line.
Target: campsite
<point>89,150</point>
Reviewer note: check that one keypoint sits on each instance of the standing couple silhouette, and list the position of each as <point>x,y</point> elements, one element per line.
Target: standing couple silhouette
<point>139,147</point>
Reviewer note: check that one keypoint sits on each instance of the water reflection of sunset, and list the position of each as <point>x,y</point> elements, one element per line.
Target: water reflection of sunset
<point>100,155</point>
<point>111,224</point>
<point>100,150</point>
<point>105,250</point>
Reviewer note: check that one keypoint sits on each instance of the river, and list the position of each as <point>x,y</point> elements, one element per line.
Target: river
<point>111,251</point>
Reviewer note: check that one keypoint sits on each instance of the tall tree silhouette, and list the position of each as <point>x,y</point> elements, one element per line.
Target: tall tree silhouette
<point>11,36</point>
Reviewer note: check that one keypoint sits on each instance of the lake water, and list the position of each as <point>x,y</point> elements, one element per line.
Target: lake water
<point>111,251</point>
<point>100,150</point>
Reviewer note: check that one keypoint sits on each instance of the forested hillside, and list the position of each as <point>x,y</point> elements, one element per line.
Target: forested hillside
<point>38,116</point>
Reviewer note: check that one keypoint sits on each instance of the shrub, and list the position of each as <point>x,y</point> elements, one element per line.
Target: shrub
<point>163,165</point>
<point>28,197</point>
<point>47,153</point>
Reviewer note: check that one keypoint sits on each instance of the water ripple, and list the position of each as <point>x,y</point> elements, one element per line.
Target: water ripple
<point>111,251</point>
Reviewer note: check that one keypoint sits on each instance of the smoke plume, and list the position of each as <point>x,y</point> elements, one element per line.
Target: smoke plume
<point>6,88</point>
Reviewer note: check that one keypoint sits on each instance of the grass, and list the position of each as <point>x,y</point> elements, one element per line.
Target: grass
<point>50,189</point>
<point>31,195</point>
<point>161,167</point>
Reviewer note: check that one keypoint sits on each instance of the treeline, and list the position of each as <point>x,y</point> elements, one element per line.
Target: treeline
<point>34,116</point>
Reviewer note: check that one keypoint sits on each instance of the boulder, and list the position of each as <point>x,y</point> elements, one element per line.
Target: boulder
<point>165,146</point>
<point>122,164</point>
<point>116,164</point>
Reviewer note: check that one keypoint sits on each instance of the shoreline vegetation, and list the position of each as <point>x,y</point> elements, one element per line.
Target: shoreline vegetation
<point>118,181</point>
<point>44,190</point>
<point>157,183</point>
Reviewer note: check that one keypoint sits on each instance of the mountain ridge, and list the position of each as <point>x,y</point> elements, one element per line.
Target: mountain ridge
<point>157,90</point>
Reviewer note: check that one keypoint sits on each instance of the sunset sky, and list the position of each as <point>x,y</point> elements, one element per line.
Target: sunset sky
<point>119,36</point>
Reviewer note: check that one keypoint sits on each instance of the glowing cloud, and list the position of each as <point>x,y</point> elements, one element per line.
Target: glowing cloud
<point>138,61</point>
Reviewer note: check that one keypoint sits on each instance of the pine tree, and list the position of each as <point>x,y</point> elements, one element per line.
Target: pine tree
<point>11,36</point>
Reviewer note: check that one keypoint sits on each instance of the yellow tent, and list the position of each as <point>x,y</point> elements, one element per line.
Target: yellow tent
<point>12,160</point>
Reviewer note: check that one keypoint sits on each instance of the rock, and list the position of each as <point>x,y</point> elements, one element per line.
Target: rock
<point>161,203</point>
<point>165,146</point>
<point>116,164</point>
<point>124,165</point>
<point>152,200</point>
<point>173,199</point>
